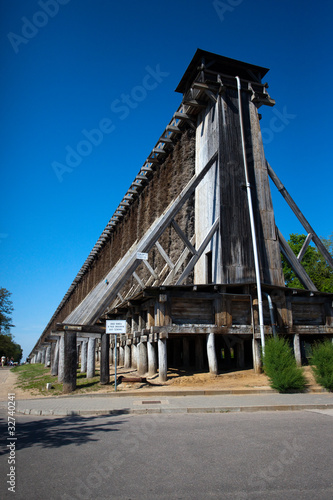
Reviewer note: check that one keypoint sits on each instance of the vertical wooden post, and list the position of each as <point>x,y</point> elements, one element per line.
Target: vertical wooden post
<point>211,354</point>
<point>256,356</point>
<point>43,356</point>
<point>84,350</point>
<point>240,354</point>
<point>297,350</point>
<point>186,352</point>
<point>70,358</point>
<point>55,359</point>
<point>91,357</point>
<point>134,363</point>
<point>61,366</point>
<point>48,356</point>
<point>152,360</point>
<point>121,354</point>
<point>198,353</point>
<point>162,360</point>
<point>105,366</point>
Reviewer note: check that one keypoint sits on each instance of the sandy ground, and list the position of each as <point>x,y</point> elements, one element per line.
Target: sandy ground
<point>245,380</point>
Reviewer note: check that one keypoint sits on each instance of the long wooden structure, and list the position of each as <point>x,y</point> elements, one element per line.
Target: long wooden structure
<point>191,258</point>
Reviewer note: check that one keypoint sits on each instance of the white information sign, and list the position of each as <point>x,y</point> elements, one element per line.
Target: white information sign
<point>115,326</point>
<point>141,255</point>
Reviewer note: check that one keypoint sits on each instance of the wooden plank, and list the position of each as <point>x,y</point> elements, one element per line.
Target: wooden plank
<point>304,247</point>
<point>164,255</point>
<point>299,215</point>
<point>297,267</point>
<point>95,303</point>
<point>168,280</point>
<point>136,277</point>
<point>150,269</point>
<point>183,237</point>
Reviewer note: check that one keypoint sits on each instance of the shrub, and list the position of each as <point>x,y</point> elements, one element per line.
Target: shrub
<point>280,366</point>
<point>322,363</point>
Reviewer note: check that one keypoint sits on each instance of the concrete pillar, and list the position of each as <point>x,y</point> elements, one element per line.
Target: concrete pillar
<point>84,352</point>
<point>91,357</point>
<point>105,368</point>
<point>48,356</point>
<point>198,353</point>
<point>70,358</point>
<point>111,355</point>
<point>142,361</point>
<point>256,356</point>
<point>211,354</point>
<point>121,355</point>
<point>297,350</point>
<point>116,351</point>
<point>134,356</point>
<point>240,355</point>
<point>39,357</point>
<point>162,360</point>
<point>152,359</point>
<point>43,356</point>
<point>61,359</point>
<point>127,356</point>
<point>186,352</point>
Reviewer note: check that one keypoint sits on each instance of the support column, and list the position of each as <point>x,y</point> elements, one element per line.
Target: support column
<point>69,384</point>
<point>162,360</point>
<point>186,352</point>
<point>256,356</point>
<point>54,357</point>
<point>48,356</point>
<point>121,355</point>
<point>43,356</point>
<point>134,350</point>
<point>104,367</point>
<point>91,357</point>
<point>61,358</point>
<point>198,353</point>
<point>84,351</point>
<point>111,355</point>
<point>297,350</point>
<point>152,359</point>
<point>142,367</point>
<point>127,356</point>
<point>211,354</point>
<point>39,357</point>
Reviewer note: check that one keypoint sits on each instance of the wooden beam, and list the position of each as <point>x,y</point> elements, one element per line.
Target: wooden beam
<point>183,237</point>
<point>295,264</point>
<point>150,269</point>
<point>135,276</point>
<point>164,255</point>
<point>304,247</point>
<point>321,247</point>
<point>198,254</point>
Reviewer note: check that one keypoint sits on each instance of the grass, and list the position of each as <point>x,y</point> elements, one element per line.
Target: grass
<point>34,377</point>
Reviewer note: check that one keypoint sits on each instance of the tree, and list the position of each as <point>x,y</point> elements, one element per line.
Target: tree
<point>6,308</point>
<point>313,262</point>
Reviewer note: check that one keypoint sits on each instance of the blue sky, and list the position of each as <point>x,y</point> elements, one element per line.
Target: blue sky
<point>66,64</point>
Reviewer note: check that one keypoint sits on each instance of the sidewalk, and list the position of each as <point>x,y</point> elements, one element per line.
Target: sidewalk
<point>148,403</point>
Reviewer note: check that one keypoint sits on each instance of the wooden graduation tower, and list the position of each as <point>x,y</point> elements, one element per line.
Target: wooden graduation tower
<point>191,257</point>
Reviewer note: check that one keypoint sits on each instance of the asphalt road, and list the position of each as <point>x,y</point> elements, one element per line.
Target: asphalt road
<point>268,455</point>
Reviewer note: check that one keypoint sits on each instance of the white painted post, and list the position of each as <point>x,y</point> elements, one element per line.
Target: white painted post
<point>91,357</point>
<point>134,356</point>
<point>152,359</point>
<point>297,350</point>
<point>61,358</point>
<point>256,356</point>
<point>211,354</point>
<point>48,356</point>
<point>162,360</point>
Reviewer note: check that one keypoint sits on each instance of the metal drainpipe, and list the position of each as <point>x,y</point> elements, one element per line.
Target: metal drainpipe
<point>271,312</point>
<point>253,231</point>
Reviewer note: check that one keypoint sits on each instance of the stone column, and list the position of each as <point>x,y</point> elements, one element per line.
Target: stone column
<point>69,383</point>
<point>91,357</point>
<point>142,358</point>
<point>186,352</point>
<point>297,350</point>
<point>61,358</point>
<point>127,356</point>
<point>162,360</point>
<point>256,356</point>
<point>121,355</point>
<point>48,356</point>
<point>104,368</point>
<point>211,354</point>
<point>84,351</point>
<point>134,356</point>
<point>198,353</point>
<point>152,359</point>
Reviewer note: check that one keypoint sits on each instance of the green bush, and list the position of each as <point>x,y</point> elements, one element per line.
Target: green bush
<point>322,363</point>
<point>280,366</point>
